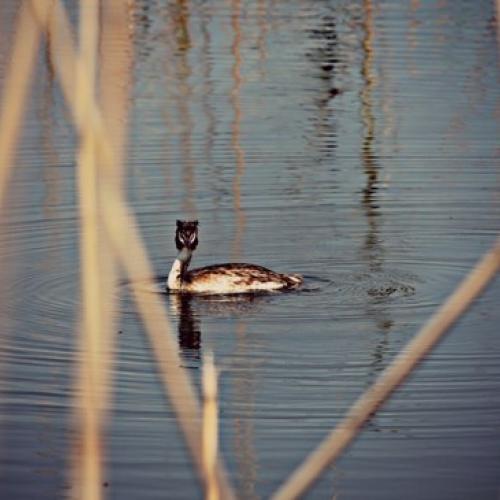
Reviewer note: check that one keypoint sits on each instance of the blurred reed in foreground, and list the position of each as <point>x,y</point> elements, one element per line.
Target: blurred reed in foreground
<point>16,88</point>
<point>210,431</point>
<point>92,380</point>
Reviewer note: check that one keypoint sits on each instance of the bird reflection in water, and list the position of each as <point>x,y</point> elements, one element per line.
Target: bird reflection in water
<point>188,308</point>
<point>188,328</point>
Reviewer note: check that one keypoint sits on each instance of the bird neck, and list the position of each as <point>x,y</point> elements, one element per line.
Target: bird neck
<point>179,269</point>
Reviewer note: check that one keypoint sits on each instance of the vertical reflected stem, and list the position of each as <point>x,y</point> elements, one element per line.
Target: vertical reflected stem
<point>367,153</point>
<point>207,93</point>
<point>116,56</point>
<point>236,126</point>
<point>243,427</point>
<point>497,4</point>
<point>263,25</point>
<point>183,74</point>
<point>366,96</point>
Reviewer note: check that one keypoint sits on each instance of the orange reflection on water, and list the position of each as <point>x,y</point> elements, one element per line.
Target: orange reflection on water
<point>236,127</point>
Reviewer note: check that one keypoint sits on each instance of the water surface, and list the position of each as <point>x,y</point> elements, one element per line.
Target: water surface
<point>353,142</point>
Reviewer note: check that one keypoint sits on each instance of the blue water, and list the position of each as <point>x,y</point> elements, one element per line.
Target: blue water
<point>353,142</point>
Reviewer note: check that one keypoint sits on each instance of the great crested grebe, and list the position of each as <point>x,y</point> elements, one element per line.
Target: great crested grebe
<point>220,278</point>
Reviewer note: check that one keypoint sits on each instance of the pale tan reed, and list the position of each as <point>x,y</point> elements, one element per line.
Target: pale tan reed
<point>16,87</point>
<point>12,107</point>
<point>122,231</point>
<point>429,335</point>
<point>210,432</point>
<point>116,58</point>
<point>115,69</point>
<point>90,402</point>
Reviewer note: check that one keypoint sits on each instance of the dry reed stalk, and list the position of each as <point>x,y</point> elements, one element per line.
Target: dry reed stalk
<point>13,99</point>
<point>114,107</point>
<point>122,231</point>
<point>88,457</point>
<point>474,283</point>
<point>115,64</point>
<point>25,45</point>
<point>210,430</point>
<point>90,404</point>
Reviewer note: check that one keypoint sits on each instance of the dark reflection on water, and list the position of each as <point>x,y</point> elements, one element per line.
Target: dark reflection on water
<point>189,327</point>
<point>353,142</point>
<point>325,59</point>
<point>372,250</point>
<point>190,309</point>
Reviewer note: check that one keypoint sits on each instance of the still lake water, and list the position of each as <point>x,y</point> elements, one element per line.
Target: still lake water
<point>354,142</point>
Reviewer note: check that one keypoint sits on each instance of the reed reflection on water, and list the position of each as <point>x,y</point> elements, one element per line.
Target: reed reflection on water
<point>353,142</point>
